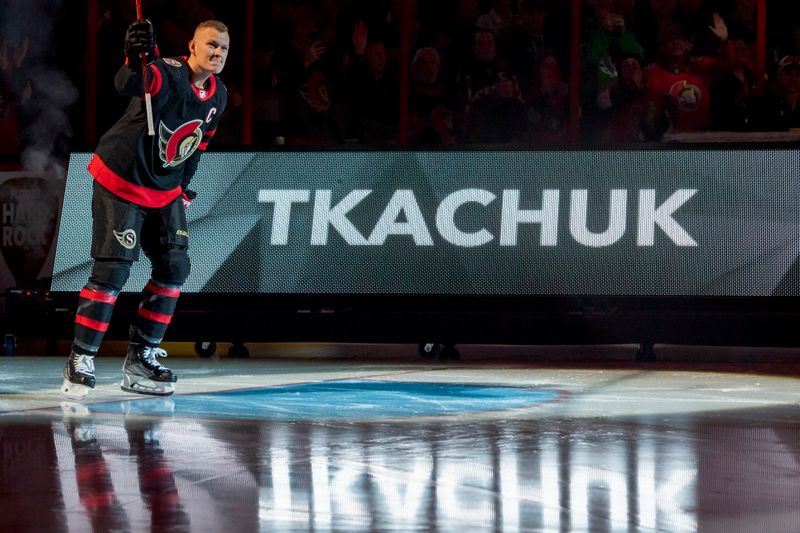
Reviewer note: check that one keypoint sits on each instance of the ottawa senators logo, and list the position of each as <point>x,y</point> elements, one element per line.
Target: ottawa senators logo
<point>177,146</point>
<point>126,238</point>
<point>316,92</point>
<point>687,95</point>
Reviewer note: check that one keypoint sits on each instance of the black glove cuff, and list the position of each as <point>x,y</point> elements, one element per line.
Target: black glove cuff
<point>140,39</point>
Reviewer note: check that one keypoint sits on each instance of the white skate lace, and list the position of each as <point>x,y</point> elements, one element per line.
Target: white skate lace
<point>84,364</point>
<point>150,355</point>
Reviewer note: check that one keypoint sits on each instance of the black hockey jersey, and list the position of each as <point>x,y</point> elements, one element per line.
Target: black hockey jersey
<point>153,171</point>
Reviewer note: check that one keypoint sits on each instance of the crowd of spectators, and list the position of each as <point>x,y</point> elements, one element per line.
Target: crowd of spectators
<point>481,72</point>
<point>658,66</point>
<point>478,73</point>
<point>497,71</point>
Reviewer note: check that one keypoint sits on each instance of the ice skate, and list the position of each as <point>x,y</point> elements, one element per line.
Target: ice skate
<point>77,421</point>
<point>144,374</point>
<point>78,376</point>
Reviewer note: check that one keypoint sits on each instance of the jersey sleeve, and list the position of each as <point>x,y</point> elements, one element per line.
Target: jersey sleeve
<point>160,76</point>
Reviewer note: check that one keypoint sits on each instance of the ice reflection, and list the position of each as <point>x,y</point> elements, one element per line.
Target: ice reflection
<point>453,474</point>
<point>100,497</point>
<point>449,477</point>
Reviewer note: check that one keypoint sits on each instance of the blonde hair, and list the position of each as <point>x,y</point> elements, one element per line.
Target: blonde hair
<point>215,24</point>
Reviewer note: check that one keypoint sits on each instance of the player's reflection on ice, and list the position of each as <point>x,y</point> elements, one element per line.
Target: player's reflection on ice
<point>96,490</point>
<point>443,474</point>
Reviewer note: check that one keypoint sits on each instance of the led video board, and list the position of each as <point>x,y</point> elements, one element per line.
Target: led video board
<point>695,222</point>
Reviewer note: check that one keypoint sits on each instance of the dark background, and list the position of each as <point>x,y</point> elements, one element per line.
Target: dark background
<point>545,86</point>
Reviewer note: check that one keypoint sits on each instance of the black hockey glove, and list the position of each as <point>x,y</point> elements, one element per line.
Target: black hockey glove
<point>140,38</point>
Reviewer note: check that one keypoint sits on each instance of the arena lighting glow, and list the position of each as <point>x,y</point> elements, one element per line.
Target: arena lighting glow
<point>321,491</point>
<point>369,399</point>
<point>412,401</point>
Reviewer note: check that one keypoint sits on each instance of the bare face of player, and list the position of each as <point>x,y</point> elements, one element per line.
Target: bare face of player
<point>209,50</point>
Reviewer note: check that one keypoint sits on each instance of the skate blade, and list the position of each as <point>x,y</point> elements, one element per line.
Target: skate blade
<point>146,386</point>
<point>73,391</point>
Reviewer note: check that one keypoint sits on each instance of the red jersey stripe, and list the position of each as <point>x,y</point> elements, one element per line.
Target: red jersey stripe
<point>155,317</point>
<point>130,191</point>
<point>98,296</point>
<point>154,81</point>
<point>92,324</point>
<point>212,89</point>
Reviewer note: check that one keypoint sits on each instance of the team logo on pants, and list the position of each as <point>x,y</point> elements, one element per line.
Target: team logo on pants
<point>177,146</point>
<point>126,238</point>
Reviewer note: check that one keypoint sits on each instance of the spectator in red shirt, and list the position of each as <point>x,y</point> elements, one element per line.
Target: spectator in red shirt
<point>679,84</point>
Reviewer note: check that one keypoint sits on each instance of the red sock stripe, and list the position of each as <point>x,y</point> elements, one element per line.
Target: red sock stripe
<point>157,473</point>
<point>89,323</point>
<point>91,471</point>
<point>98,296</point>
<point>98,501</point>
<point>167,500</point>
<point>162,291</point>
<point>155,317</point>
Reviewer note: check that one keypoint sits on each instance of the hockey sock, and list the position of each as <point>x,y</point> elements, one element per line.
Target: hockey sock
<point>156,481</point>
<point>92,318</point>
<point>155,311</point>
<point>95,487</point>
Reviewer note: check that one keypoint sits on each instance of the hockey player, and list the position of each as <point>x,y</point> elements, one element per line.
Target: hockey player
<point>141,184</point>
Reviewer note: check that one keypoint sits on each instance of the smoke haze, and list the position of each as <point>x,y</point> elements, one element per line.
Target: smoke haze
<point>42,92</point>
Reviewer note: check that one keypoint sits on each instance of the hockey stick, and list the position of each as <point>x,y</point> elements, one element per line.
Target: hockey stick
<point>148,104</point>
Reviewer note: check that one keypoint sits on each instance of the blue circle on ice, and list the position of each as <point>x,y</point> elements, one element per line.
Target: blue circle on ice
<point>341,400</point>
